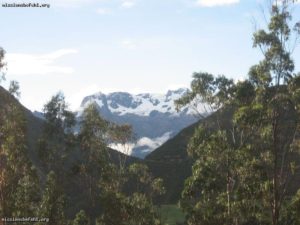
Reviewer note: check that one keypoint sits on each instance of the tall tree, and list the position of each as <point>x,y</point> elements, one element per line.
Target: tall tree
<point>209,196</point>
<point>27,195</point>
<point>275,108</point>
<point>105,176</point>
<point>136,207</point>
<point>95,163</point>
<point>2,64</point>
<point>19,184</point>
<point>57,139</point>
<point>253,159</point>
<point>53,201</point>
<point>81,219</point>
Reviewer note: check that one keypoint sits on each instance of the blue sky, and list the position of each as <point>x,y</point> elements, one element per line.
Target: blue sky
<point>85,46</point>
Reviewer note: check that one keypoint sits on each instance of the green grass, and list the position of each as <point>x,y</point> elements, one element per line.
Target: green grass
<point>171,214</point>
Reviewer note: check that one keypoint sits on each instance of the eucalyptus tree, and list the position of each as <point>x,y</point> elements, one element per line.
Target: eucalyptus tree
<point>245,166</point>
<point>135,207</point>
<point>2,64</point>
<point>274,113</point>
<point>95,165</point>
<point>106,178</point>
<point>57,139</point>
<point>19,183</point>
<point>209,196</point>
<point>81,218</point>
<point>53,202</point>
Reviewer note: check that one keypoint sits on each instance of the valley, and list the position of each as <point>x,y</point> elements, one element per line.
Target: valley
<point>162,115</point>
<point>153,117</point>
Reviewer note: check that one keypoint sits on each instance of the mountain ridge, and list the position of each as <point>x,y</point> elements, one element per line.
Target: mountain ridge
<point>154,117</point>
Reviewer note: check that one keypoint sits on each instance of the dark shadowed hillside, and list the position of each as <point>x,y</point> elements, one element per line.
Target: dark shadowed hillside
<point>171,161</point>
<point>34,124</point>
<point>35,128</point>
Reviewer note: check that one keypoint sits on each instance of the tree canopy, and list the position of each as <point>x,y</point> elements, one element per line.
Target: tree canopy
<point>245,168</point>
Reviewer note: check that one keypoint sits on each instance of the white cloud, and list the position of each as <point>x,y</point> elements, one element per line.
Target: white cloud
<point>213,3</point>
<point>129,44</point>
<point>76,98</point>
<point>151,144</point>
<point>104,11</point>
<point>176,86</point>
<point>127,3</point>
<point>155,142</point>
<point>124,148</point>
<point>37,64</point>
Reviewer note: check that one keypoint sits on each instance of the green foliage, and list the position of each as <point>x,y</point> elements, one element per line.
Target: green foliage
<point>104,179</point>
<point>93,130</point>
<point>171,214</point>
<point>94,167</point>
<point>135,207</point>
<point>243,169</point>
<point>53,201</point>
<point>123,135</point>
<point>144,182</point>
<point>293,215</point>
<point>141,211</point>
<point>107,181</point>
<point>27,194</point>
<point>14,88</point>
<point>81,219</point>
<point>19,186</point>
<point>2,64</point>
<point>277,66</point>
<point>57,139</point>
<point>57,115</point>
<point>210,194</point>
<point>205,88</point>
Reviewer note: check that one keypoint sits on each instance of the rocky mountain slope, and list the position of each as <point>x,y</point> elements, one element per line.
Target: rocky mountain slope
<point>154,117</point>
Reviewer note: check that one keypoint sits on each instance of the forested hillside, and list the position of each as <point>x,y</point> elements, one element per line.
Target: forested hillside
<point>171,160</point>
<point>51,174</point>
<point>238,166</point>
<point>246,170</point>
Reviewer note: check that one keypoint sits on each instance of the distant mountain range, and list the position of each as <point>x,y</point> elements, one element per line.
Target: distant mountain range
<point>154,117</point>
<point>170,161</point>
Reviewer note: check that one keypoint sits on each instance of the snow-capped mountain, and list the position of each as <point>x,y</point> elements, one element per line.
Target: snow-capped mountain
<point>153,116</point>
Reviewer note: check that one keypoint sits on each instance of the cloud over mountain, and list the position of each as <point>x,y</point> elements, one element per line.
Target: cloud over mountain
<point>154,117</point>
<point>33,64</point>
<point>213,3</point>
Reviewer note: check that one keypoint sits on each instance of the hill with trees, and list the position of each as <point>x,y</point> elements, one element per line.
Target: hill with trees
<point>239,166</point>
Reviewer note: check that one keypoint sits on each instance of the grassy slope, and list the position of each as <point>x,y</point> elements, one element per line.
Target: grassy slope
<point>171,214</point>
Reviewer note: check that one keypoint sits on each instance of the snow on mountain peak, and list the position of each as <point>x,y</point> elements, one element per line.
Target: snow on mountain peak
<point>143,104</point>
<point>154,117</point>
